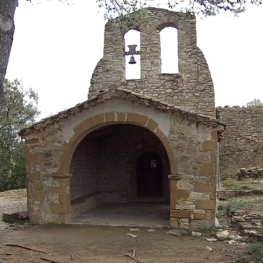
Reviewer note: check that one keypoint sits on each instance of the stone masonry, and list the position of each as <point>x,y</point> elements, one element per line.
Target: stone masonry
<point>242,146</point>
<point>192,88</point>
<point>88,155</point>
<point>56,155</point>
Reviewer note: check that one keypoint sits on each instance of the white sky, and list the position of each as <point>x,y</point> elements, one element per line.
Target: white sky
<point>57,46</point>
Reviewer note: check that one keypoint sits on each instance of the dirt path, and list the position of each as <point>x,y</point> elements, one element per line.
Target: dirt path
<point>109,244</point>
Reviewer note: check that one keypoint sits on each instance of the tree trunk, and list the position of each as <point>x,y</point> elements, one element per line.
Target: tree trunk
<point>7,29</point>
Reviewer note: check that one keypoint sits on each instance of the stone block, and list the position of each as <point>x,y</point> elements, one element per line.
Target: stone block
<point>109,117</point>
<point>199,216</point>
<point>131,117</point>
<point>204,188</point>
<point>176,213</point>
<point>209,146</point>
<point>179,194</point>
<point>31,157</point>
<point>58,189</point>
<point>80,128</point>
<point>174,222</point>
<point>33,176</point>
<point>64,198</point>
<point>121,116</point>
<point>64,218</point>
<point>213,196</point>
<point>205,204</point>
<point>98,119</point>
<point>34,218</point>
<point>37,187</point>
<point>207,169</point>
<point>37,195</point>
<point>152,126</point>
<point>62,181</point>
<point>142,120</point>
<point>173,185</point>
<point>65,165</point>
<point>88,123</point>
<point>199,224</point>
<point>59,209</point>
<point>210,215</point>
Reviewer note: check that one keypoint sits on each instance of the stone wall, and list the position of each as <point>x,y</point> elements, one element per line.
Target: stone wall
<point>191,88</point>
<point>193,190</point>
<point>59,173</point>
<point>242,146</point>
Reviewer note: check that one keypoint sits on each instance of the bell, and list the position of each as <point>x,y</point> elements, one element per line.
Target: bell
<point>132,60</point>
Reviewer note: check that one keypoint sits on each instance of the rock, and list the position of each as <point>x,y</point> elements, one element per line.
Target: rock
<point>209,248</point>
<point>134,229</point>
<point>211,239</point>
<point>234,237</point>
<point>131,235</point>
<point>217,224</point>
<point>196,234</point>
<point>23,216</point>
<point>177,232</point>
<point>222,235</point>
<point>10,217</point>
<point>231,242</point>
<point>151,230</point>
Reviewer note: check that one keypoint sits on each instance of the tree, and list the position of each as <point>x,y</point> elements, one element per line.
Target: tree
<point>19,109</point>
<point>255,102</point>
<point>7,29</point>
<point>112,8</point>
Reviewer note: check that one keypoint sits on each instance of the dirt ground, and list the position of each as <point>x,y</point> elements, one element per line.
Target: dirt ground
<point>52,243</point>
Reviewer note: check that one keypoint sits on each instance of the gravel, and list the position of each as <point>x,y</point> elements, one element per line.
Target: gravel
<point>10,204</point>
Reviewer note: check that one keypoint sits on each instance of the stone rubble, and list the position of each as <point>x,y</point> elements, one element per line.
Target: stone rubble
<point>252,172</point>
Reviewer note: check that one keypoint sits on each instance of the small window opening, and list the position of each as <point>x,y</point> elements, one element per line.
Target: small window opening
<point>169,50</point>
<point>133,63</point>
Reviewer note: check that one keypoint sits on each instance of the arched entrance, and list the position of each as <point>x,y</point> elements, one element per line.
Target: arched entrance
<point>120,164</point>
<point>149,175</point>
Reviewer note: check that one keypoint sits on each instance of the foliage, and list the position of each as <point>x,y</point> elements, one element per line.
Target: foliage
<point>115,8</point>
<point>19,109</point>
<point>226,208</point>
<point>255,102</point>
<point>256,252</point>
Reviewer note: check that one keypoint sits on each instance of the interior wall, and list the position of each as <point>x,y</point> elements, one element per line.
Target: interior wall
<point>83,168</point>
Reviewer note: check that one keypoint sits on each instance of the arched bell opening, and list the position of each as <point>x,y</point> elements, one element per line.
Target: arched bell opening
<point>169,49</point>
<point>107,168</point>
<point>132,54</point>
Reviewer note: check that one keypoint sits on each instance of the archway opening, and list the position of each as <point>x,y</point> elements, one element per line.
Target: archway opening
<point>133,70</point>
<point>169,50</point>
<point>107,177</point>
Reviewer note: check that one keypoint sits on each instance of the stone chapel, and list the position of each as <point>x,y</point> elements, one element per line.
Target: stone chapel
<point>153,138</point>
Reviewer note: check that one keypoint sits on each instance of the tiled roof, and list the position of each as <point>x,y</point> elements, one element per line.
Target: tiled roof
<point>125,95</point>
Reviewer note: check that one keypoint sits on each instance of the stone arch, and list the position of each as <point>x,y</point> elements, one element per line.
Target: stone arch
<point>104,119</point>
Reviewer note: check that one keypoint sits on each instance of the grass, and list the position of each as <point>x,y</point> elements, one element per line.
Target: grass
<point>253,253</point>
<point>231,205</point>
<point>256,252</point>
<point>231,184</point>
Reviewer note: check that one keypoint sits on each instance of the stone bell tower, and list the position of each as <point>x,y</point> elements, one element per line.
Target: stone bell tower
<point>191,88</point>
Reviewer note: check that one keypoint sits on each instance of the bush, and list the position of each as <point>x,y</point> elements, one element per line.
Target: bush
<point>18,110</point>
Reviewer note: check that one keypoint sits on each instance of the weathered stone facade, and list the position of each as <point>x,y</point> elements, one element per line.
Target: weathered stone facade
<point>91,154</point>
<point>57,150</point>
<point>242,146</point>
<point>192,88</point>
